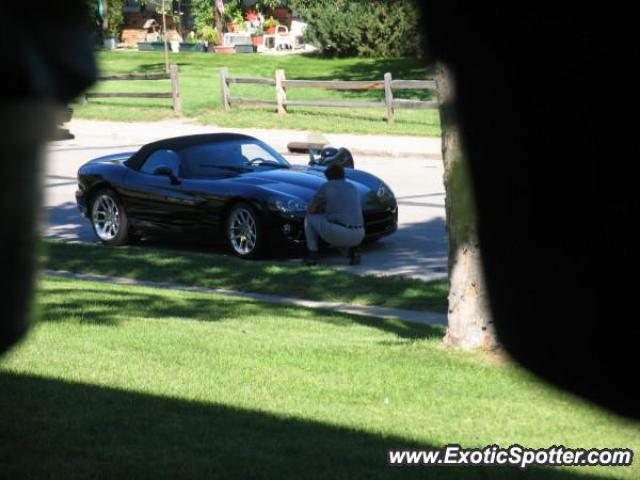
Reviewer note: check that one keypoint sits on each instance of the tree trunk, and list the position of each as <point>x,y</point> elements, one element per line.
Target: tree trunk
<point>218,22</point>
<point>469,318</point>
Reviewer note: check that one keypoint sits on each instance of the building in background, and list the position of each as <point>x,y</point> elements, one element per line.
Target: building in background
<point>138,13</point>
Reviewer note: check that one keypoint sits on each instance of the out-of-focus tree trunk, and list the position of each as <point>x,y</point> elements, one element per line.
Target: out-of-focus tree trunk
<point>218,21</point>
<point>469,318</point>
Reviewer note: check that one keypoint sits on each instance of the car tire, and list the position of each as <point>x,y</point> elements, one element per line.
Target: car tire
<point>109,219</point>
<point>244,232</point>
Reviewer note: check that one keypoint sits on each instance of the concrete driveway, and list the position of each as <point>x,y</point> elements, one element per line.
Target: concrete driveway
<point>418,249</point>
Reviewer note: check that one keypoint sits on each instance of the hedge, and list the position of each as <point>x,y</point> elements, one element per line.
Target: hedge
<point>366,28</point>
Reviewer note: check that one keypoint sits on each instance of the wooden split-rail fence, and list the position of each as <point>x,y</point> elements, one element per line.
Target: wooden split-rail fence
<point>172,75</point>
<point>281,84</point>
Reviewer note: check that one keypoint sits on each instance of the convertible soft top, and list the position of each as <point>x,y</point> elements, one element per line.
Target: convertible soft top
<point>178,143</point>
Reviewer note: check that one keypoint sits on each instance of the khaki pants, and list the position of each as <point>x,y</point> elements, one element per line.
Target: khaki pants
<point>317,226</point>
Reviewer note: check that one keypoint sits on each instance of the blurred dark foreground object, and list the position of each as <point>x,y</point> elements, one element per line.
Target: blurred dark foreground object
<point>543,94</point>
<point>46,59</point>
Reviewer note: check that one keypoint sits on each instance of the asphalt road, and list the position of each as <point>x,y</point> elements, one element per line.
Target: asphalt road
<point>418,249</point>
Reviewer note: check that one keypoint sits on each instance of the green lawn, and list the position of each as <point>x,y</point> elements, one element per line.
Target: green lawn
<point>217,271</point>
<point>200,90</point>
<point>146,383</point>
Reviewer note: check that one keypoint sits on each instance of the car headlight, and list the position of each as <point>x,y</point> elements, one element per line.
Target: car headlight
<point>288,205</point>
<point>384,192</point>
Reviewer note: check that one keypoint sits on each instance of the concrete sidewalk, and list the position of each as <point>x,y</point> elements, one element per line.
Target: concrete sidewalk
<point>138,133</point>
<point>408,316</point>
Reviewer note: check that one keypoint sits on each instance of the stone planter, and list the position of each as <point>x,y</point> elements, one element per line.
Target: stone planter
<point>150,46</point>
<point>244,48</point>
<point>224,50</point>
<point>192,47</point>
<point>109,43</point>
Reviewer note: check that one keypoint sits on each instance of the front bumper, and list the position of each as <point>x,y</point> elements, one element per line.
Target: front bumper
<point>380,223</point>
<point>288,230</point>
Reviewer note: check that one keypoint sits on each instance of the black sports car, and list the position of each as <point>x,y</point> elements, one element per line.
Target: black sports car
<point>227,187</point>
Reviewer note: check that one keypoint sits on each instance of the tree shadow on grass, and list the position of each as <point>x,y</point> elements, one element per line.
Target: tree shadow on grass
<point>369,69</point>
<point>86,303</point>
<point>58,429</point>
<point>158,67</point>
<point>415,248</point>
<point>119,102</point>
<point>217,271</point>
<point>352,114</point>
<point>375,69</point>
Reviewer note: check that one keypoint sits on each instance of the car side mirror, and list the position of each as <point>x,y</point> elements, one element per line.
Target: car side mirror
<point>167,172</point>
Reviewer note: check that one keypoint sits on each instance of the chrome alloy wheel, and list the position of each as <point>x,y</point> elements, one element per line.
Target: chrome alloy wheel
<point>106,217</point>
<point>242,231</point>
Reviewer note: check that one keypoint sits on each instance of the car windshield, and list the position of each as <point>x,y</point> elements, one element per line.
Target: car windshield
<point>241,155</point>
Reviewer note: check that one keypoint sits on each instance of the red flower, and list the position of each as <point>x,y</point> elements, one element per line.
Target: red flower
<point>251,15</point>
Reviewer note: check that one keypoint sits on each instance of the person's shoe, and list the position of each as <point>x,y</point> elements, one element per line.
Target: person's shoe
<point>354,256</point>
<point>311,259</point>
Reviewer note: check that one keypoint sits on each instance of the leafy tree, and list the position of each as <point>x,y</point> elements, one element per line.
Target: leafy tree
<point>115,17</point>
<point>202,13</point>
<point>109,24</point>
<point>95,21</point>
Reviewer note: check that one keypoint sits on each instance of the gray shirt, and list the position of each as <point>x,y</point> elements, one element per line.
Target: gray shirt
<point>340,201</point>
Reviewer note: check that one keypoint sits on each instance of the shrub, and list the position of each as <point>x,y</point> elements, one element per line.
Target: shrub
<point>270,23</point>
<point>202,12</point>
<point>366,28</point>
<point>233,11</point>
<point>209,34</point>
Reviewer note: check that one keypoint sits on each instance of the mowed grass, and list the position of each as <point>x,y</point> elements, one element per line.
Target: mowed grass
<point>217,271</point>
<point>200,91</point>
<point>146,383</point>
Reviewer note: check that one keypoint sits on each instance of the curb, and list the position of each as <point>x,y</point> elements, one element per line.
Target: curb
<point>408,316</point>
<point>395,154</point>
<point>363,152</point>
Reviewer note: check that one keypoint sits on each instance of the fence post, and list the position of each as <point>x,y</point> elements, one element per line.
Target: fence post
<point>224,88</point>
<point>175,88</point>
<point>281,93</point>
<point>388,97</point>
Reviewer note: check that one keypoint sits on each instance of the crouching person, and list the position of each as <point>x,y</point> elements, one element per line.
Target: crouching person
<point>335,215</point>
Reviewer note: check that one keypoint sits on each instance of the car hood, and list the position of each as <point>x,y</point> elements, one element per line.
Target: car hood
<point>302,181</point>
